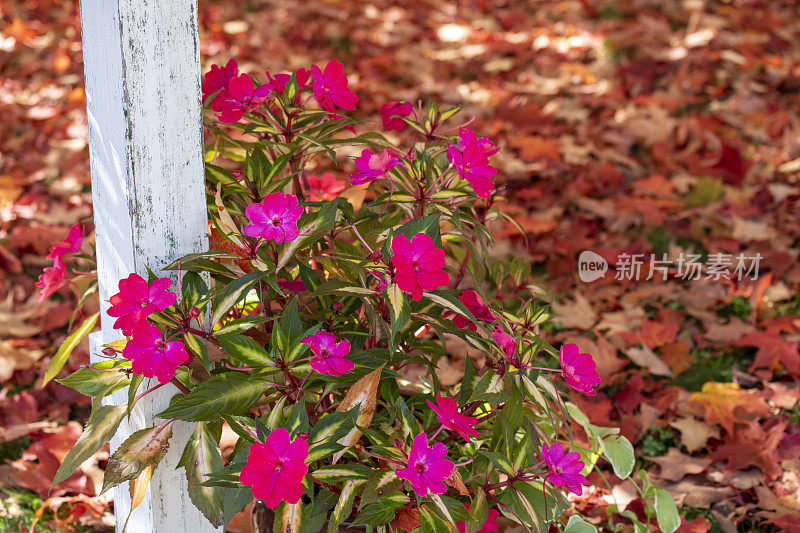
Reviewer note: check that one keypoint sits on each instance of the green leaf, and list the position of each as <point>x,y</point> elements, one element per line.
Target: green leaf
<point>499,461</point>
<point>337,473</point>
<point>298,419</point>
<point>91,382</point>
<point>345,504</point>
<point>240,324</point>
<point>428,224</point>
<point>490,389</point>
<point>289,518</point>
<point>313,227</point>
<point>332,426</point>
<point>234,500</point>
<point>577,524</point>
<point>245,349</point>
<point>398,305</point>
<point>201,458</point>
<point>231,393</point>
<point>448,300</point>
<point>231,293</point>
<point>336,286</point>
<point>666,511</point>
<point>195,345</point>
<point>381,511</point>
<point>102,425</point>
<point>61,356</point>
<point>146,447</point>
<point>619,452</point>
<point>431,523</point>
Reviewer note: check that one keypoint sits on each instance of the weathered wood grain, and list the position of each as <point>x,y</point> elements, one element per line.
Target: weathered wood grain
<point>144,111</point>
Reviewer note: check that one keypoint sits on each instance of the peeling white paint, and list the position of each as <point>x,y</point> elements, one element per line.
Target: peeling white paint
<point>144,110</point>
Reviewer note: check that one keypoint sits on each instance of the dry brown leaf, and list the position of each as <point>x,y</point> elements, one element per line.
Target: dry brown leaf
<point>646,358</point>
<point>694,433</point>
<point>676,465</point>
<point>575,314</point>
<point>364,392</point>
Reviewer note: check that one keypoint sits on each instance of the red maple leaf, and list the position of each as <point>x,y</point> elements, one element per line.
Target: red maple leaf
<point>773,351</point>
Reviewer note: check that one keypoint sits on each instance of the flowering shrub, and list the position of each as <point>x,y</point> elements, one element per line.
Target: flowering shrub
<point>305,324</point>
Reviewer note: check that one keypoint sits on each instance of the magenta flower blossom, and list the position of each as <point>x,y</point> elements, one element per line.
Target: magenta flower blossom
<point>419,264</point>
<point>371,166</point>
<point>151,356</point>
<point>218,78</point>
<point>490,526</point>
<point>136,300</point>
<point>466,137</point>
<point>275,469</point>
<point>565,468</point>
<point>278,82</point>
<point>330,355</point>
<point>274,218</point>
<point>70,245</point>
<point>51,279</point>
<point>473,301</point>
<point>391,112</point>
<point>506,342</point>
<point>330,88</point>
<point>469,156</point>
<point>579,369</point>
<point>241,96</point>
<point>296,285</point>
<point>324,187</point>
<point>426,468</point>
<point>448,414</point>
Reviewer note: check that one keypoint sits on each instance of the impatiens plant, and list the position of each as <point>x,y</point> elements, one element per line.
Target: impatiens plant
<point>314,325</point>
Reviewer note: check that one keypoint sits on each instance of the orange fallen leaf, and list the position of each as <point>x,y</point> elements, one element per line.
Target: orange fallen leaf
<point>723,402</point>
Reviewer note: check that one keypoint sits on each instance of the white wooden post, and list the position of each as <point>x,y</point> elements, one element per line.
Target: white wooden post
<point>143,104</point>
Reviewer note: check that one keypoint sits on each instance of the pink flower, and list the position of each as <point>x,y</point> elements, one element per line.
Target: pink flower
<point>419,264</point>
<point>275,469</point>
<point>330,88</point>
<point>217,79</point>
<point>278,82</point>
<point>469,157</point>
<point>296,285</point>
<point>565,469</point>
<point>151,356</point>
<point>466,137</point>
<point>426,468</point>
<point>473,301</point>
<point>324,187</point>
<point>391,112</point>
<point>274,218</point>
<point>70,245</point>
<point>578,369</point>
<point>241,96</point>
<point>371,166</point>
<point>136,300</point>
<point>506,342</point>
<point>51,279</point>
<point>448,414</point>
<point>330,355</point>
<point>490,526</point>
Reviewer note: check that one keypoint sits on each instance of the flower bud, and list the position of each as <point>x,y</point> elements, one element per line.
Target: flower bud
<point>194,312</point>
<point>338,306</point>
<point>377,255</point>
<point>109,352</point>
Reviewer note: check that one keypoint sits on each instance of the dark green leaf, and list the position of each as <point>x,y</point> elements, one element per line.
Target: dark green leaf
<point>231,393</point>
<point>102,425</point>
<point>201,458</point>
